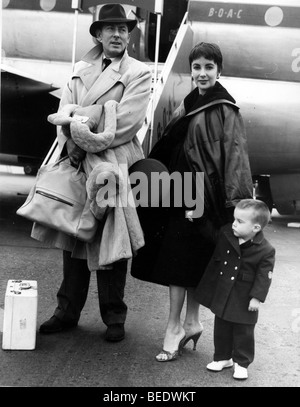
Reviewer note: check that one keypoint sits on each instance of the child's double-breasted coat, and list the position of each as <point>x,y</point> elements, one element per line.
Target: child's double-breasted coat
<point>236,274</point>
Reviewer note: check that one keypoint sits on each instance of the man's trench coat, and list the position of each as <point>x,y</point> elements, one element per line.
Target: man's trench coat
<point>127,81</point>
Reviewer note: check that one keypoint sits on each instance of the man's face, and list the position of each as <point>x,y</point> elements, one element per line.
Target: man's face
<point>114,38</point>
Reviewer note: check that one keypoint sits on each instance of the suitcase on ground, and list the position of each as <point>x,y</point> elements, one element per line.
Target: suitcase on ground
<point>20,315</point>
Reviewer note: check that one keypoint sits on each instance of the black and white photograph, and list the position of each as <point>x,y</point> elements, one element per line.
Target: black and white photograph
<point>149,197</point>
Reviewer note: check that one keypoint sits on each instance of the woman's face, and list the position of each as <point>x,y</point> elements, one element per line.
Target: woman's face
<point>205,73</point>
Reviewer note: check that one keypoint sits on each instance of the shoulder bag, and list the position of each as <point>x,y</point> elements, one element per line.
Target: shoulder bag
<point>59,200</point>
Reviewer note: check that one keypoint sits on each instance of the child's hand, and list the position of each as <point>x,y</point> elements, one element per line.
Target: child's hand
<point>253,304</point>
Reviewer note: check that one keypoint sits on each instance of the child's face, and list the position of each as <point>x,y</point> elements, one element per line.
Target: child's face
<point>205,73</point>
<point>243,226</point>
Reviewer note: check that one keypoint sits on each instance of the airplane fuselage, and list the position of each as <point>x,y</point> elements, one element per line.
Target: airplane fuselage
<point>261,48</point>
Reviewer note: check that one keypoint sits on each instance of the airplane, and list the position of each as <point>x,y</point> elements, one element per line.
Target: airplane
<point>41,41</point>
<point>31,65</point>
<point>260,44</point>
<point>261,47</point>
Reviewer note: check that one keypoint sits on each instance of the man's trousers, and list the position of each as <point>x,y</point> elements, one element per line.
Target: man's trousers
<point>73,291</point>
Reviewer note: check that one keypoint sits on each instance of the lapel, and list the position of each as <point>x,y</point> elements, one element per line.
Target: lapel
<point>234,241</point>
<point>104,81</point>
<point>97,82</point>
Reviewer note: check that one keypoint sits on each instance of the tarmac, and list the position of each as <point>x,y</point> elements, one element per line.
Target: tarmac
<point>81,358</point>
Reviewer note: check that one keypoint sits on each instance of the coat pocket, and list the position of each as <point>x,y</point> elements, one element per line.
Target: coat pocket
<point>248,277</point>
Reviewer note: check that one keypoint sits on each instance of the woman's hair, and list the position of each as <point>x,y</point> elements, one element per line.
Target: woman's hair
<point>261,213</point>
<point>209,51</point>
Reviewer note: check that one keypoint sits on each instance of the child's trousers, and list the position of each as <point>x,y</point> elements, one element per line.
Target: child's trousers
<point>232,340</point>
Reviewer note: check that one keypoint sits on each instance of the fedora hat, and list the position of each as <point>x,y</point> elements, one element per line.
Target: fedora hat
<point>112,13</point>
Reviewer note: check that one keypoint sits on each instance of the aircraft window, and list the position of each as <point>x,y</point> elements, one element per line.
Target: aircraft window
<point>274,16</point>
<point>47,5</point>
<point>5,3</point>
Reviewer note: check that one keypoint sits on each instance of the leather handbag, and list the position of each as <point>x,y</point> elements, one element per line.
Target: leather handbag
<point>59,200</point>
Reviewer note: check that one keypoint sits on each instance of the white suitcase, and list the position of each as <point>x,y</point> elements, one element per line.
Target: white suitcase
<point>20,315</point>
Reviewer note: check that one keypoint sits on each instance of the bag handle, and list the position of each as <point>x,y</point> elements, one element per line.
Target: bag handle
<point>61,159</point>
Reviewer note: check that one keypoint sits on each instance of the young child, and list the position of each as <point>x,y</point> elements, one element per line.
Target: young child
<point>236,281</point>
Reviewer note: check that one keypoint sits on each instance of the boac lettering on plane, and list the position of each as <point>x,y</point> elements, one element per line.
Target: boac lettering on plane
<point>223,13</point>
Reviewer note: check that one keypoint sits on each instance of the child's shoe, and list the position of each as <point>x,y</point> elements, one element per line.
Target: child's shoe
<point>220,365</point>
<point>240,373</point>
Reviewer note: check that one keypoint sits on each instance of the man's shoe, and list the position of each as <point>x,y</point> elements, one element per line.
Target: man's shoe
<point>220,365</point>
<point>115,333</point>
<point>240,373</point>
<point>54,325</point>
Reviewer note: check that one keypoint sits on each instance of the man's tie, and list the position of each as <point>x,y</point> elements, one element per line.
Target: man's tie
<point>106,62</point>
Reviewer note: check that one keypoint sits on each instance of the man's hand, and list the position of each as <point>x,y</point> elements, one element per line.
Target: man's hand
<point>253,304</point>
<point>75,153</point>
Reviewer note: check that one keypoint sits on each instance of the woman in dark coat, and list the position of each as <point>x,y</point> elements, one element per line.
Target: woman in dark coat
<point>206,135</point>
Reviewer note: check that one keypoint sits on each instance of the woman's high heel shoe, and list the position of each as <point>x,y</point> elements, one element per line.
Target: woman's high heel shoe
<point>166,356</point>
<point>195,337</point>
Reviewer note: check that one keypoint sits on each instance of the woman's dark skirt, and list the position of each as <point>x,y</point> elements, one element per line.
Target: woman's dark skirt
<point>176,251</point>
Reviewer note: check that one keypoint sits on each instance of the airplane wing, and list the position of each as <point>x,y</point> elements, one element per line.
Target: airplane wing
<point>26,135</point>
<point>12,80</point>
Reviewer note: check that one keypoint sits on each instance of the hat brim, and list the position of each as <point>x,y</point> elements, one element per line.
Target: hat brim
<point>98,24</point>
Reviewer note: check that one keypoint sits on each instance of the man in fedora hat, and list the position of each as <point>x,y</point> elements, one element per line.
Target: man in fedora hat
<point>95,81</point>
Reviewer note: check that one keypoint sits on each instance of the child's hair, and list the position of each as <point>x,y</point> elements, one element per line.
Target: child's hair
<point>261,211</point>
<point>209,51</point>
